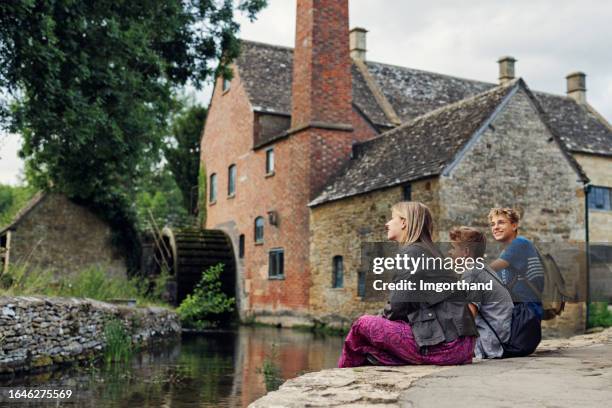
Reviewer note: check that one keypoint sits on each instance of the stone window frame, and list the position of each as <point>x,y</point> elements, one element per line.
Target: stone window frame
<point>276,264</point>
<point>338,272</point>
<point>212,194</point>
<point>259,230</point>
<point>231,181</point>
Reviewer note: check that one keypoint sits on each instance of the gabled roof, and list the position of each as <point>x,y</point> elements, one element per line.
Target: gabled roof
<point>25,210</point>
<point>266,71</point>
<point>426,146</point>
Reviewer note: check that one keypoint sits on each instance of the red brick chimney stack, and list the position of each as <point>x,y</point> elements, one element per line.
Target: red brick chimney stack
<point>322,95</point>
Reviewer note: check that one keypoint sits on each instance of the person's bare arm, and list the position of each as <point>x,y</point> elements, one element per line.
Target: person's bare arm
<point>499,264</point>
<point>473,309</point>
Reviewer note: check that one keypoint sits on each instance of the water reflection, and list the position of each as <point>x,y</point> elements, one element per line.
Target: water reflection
<point>221,369</point>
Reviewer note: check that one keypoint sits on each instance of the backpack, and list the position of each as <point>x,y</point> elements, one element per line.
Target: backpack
<point>525,332</point>
<point>554,294</point>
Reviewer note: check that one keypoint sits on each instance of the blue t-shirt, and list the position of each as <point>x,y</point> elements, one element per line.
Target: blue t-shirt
<point>524,263</point>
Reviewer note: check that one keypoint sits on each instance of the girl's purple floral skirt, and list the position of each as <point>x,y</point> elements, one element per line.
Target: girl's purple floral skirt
<point>392,343</point>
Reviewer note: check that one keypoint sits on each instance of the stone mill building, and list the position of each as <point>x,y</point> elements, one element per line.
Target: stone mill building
<point>306,149</point>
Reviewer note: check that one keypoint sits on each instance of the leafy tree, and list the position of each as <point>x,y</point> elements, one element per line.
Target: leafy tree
<point>12,199</point>
<point>92,83</point>
<point>182,151</point>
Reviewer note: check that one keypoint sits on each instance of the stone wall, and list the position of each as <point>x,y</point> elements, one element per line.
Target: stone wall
<point>339,228</point>
<point>61,235</point>
<point>37,333</point>
<point>599,171</point>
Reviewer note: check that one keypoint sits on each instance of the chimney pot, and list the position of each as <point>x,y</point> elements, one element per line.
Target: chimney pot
<point>358,43</point>
<point>576,86</point>
<point>506,69</point>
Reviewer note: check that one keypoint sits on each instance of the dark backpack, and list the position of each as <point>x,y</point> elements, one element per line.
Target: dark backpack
<point>525,331</point>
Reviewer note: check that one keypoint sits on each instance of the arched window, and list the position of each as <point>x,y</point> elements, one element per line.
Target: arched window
<point>259,229</point>
<point>337,272</point>
<point>231,180</point>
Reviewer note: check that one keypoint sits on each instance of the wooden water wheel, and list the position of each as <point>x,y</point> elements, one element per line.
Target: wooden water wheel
<point>188,252</point>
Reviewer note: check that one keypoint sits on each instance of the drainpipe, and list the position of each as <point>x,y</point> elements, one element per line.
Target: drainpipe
<point>587,189</point>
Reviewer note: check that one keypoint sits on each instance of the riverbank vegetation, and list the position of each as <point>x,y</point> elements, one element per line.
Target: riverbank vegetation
<point>207,306</point>
<point>92,283</point>
<point>600,315</point>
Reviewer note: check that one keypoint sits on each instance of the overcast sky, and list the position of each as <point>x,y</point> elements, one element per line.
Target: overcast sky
<point>461,38</point>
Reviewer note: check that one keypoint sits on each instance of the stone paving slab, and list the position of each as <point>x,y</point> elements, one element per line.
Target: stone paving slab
<point>574,372</point>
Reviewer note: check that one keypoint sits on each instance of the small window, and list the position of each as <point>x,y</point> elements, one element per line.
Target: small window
<point>269,161</point>
<point>226,84</point>
<point>231,180</point>
<point>241,246</point>
<point>213,188</point>
<point>407,192</point>
<point>337,272</point>
<point>361,284</point>
<point>600,198</point>
<point>259,229</point>
<point>276,264</point>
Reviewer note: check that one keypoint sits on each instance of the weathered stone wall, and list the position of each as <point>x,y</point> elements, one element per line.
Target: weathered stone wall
<point>61,235</point>
<point>516,163</point>
<point>339,228</point>
<point>36,333</point>
<point>599,171</point>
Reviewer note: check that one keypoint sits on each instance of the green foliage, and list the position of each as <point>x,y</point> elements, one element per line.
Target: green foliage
<point>93,283</point>
<point>160,197</point>
<point>91,87</point>
<point>182,150</point>
<point>599,315</point>
<point>118,342</point>
<point>12,199</point>
<point>207,304</point>
<point>271,371</point>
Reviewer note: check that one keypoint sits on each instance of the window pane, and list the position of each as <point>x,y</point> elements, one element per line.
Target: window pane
<point>407,192</point>
<point>600,198</point>
<point>241,246</point>
<point>213,187</point>
<point>231,180</point>
<point>270,161</point>
<point>259,229</point>
<point>276,263</point>
<point>361,284</point>
<point>337,272</point>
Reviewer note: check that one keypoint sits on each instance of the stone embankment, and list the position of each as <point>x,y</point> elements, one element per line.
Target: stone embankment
<point>562,373</point>
<point>37,333</point>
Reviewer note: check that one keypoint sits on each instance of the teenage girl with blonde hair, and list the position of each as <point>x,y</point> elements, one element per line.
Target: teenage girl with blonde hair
<point>415,327</point>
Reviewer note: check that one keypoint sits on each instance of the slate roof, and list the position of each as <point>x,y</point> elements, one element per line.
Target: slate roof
<point>266,71</point>
<point>417,149</point>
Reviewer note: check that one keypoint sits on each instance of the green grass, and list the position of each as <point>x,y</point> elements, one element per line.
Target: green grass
<point>118,342</point>
<point>599,315</point>
<point>93,283</point>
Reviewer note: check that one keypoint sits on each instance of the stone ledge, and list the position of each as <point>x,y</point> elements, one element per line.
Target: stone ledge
<point>387,386</point>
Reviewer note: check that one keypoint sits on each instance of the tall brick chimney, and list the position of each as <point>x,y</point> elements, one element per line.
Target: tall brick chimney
<point>322,94</point>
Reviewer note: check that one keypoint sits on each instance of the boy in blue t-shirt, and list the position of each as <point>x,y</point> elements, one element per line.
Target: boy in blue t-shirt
<point>518,266</point>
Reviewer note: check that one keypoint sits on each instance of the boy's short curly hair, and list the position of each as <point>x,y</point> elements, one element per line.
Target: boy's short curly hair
<point>510,213</point>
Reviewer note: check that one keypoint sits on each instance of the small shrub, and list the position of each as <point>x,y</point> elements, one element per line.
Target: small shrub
<point>207,304</point>
<point>599,315</point>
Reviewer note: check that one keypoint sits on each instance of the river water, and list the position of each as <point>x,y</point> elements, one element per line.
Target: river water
<point>216,369</point>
